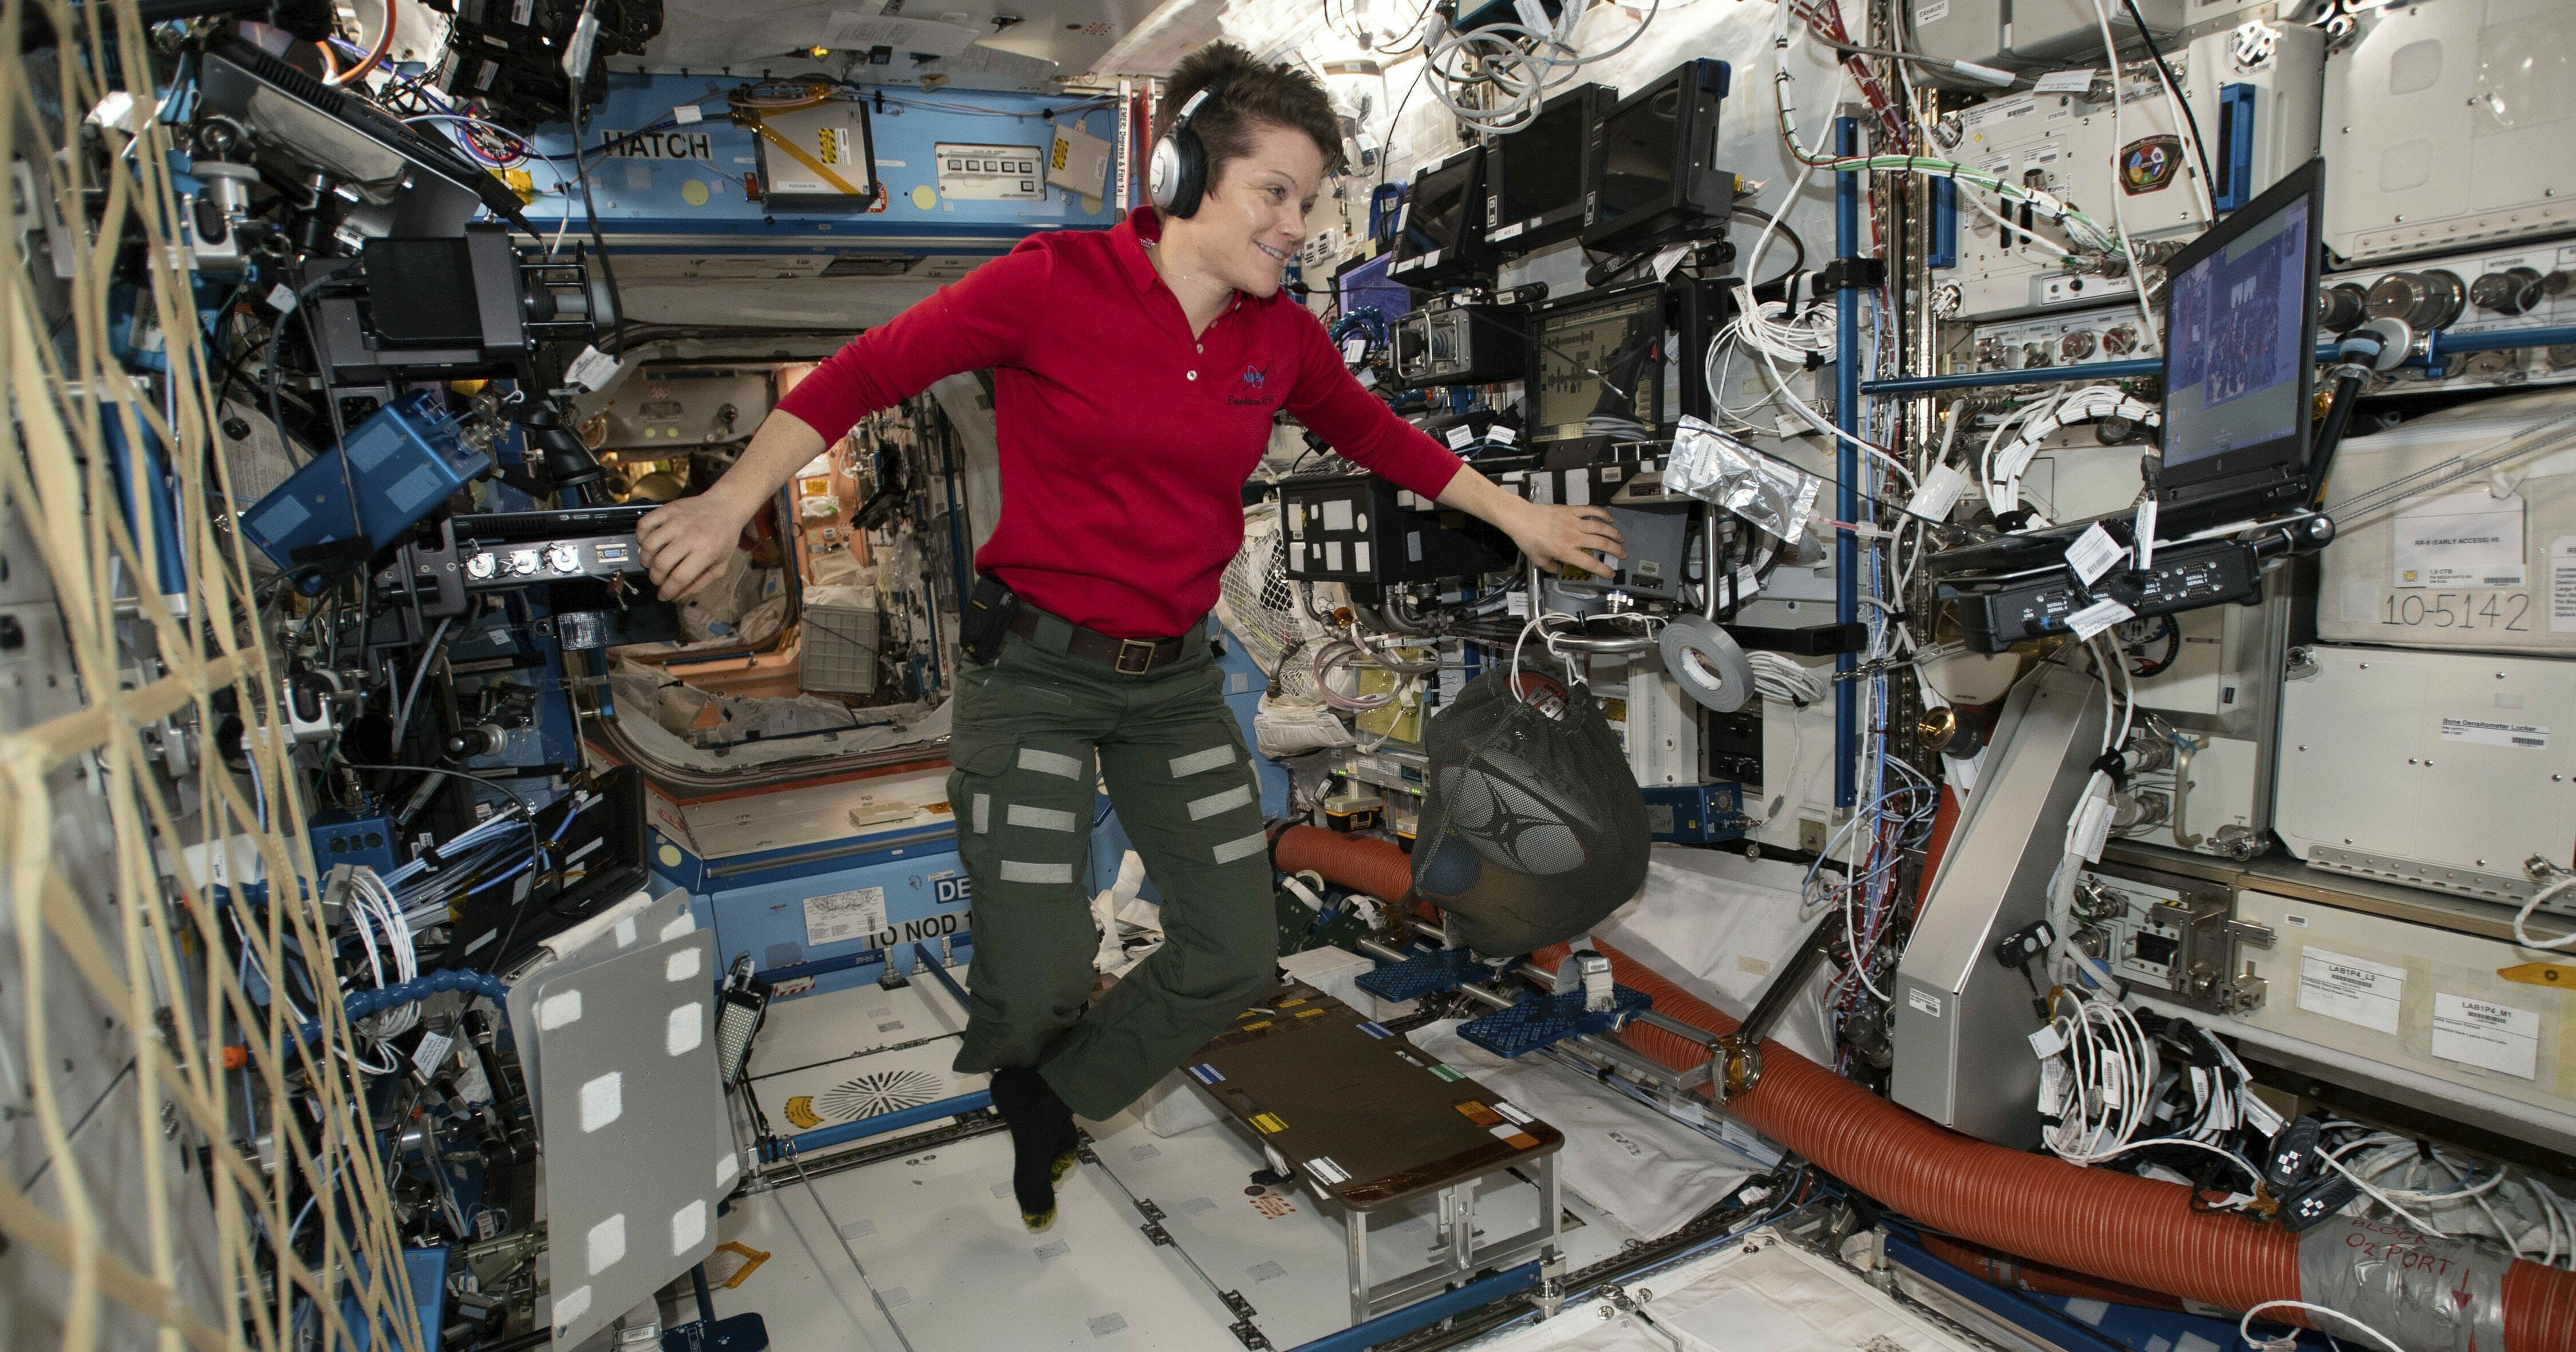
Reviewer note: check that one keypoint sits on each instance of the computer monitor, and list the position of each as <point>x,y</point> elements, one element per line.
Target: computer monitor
<point>1535,177</point>
<point>1654,169</point>
<point>1598,355</point>
<point>1440,236</point>
<point>2240,361</point>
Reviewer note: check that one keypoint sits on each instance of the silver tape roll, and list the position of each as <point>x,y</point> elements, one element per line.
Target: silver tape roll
<point>1707,663</point>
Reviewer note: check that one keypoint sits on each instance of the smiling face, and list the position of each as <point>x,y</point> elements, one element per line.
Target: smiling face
<point>1254,216</point>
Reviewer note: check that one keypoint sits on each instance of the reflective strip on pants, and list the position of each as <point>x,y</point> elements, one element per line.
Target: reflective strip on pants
<point>1198,762</point>
<point>1232,850</point>
<point>1202,809</point>
<point>1051,763</point>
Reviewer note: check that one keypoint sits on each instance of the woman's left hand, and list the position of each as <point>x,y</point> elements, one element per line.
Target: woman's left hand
<point>1554,536</point>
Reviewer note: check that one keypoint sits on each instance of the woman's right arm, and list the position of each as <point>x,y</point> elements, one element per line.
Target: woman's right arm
<point>685,543</point>
<point>978,321</point>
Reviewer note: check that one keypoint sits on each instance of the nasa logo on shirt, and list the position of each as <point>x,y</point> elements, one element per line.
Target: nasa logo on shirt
<point>1253,387</point>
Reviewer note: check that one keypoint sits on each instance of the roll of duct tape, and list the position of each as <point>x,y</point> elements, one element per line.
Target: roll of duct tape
<point>1707,663</point>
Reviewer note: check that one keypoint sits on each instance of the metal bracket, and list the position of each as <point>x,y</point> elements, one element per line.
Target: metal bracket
<point>2250,934</point>
<point>1735,1063</point>
<point>1550,1295</point>
<point>1252,1338</point>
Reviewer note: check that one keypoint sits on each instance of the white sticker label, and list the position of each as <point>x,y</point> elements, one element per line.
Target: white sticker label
<point>1460,436</point>
<point>592,370</point>
<point>1934,12</point>
<point>2488,1036</point>
<point>432,1050</point>
<point>2355,990</point>
<point>2093,553</point>
<point>2065,81</point>
<point>1368,377</point>
<point>687,113</point>
<point>2495,734</point>
<point>1924,1001</point>
<point>2258,1114</point>
<point>1938,494</point>
<point>2144,534</point>
<point>843,916</point>
<point>281,298</point>
<point>1670,258</point>
<point>1505,1107</point>
<point>2562,585</point>
<point>1326,1172</point>
<point>2471,539</point>
<point>2100,615</point>
<point>2047,1042</point>
<point>2052,1087</point>
<point>1354,348</point>
<point>1501,435</point>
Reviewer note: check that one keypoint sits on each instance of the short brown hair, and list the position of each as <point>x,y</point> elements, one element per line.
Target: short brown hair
<point>1254,95</point>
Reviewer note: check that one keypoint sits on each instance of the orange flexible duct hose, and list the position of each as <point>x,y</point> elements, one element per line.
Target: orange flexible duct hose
<point>2113,1226</point>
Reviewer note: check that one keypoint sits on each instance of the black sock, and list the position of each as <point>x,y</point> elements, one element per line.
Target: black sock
<point>1041,1129</point>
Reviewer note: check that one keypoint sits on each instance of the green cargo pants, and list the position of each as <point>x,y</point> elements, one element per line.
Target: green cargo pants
<point>1027,730</point>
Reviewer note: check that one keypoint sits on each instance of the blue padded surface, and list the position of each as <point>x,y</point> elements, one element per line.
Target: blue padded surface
<point>1540,1019</point>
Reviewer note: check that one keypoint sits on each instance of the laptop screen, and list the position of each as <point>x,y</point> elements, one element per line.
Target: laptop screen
<point>2240,348</point>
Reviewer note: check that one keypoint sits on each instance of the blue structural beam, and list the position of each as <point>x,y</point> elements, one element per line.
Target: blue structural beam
<point>824,1138</point>
<point>2013,1307</point>
<point>1395,1324</point>
<point>1846,458</point>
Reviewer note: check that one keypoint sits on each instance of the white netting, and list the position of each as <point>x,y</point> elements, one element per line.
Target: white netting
<point>168,1110</point>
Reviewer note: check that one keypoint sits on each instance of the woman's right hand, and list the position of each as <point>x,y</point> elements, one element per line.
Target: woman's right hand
<point>686,543</point>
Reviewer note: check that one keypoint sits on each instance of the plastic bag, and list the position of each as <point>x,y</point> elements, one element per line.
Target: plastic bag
<point>1765,490</point>
<point>1532,826</point>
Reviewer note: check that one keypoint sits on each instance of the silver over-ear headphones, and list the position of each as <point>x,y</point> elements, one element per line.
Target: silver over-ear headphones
<point>1176,177</point>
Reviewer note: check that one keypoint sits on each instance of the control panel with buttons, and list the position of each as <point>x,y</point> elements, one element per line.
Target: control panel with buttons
<point>991,173</point>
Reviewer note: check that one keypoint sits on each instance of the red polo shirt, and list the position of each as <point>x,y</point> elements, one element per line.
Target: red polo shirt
<point>1124,441</point>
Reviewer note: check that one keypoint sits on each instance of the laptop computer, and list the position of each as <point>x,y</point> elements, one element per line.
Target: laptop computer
<point>2240,375</point>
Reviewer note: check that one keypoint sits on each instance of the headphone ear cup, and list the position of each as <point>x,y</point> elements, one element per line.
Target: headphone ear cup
<point>1188,179</point>
<point>1163,175</point>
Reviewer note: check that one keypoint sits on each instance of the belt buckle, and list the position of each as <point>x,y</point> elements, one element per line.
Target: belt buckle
<point>1143,656</point>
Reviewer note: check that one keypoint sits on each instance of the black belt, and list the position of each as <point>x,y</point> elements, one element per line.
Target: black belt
<point>1127,656</point>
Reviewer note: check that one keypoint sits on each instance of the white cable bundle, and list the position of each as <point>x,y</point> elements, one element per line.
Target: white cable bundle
<point>374,913</point>
<point>2089,404</point>
<point>1782,678</point>
<point>1524,76</point>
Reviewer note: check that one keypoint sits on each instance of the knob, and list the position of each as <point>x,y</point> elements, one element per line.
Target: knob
<point>2342,307</point>
<point>2430,299</point>
<point>481,567</point>
<point>2556,283</point>
<point>564,557</point>
<point>2076,346</point>
<point>522,562</point>
<point>2120,339</point>
<point>2035,355</point>
<point>2509,292</point>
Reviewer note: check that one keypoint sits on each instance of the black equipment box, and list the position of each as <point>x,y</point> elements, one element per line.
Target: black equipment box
<point>1360,528</point>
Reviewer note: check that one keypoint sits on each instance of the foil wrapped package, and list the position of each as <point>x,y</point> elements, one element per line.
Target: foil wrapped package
<point>1763,489</point>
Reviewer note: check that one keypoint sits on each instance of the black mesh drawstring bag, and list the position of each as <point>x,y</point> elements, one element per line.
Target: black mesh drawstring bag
<point>1532,826</point>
